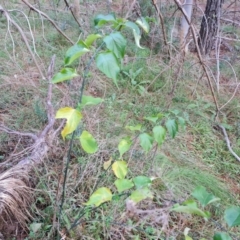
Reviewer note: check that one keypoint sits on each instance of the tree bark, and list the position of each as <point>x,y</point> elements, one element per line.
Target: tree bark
<point>209,25</point>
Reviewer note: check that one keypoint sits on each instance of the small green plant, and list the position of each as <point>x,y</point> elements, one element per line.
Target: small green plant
<point>190,206</point>
<point>109,62</point>
<point>151,135</point>
<point>134,82</point>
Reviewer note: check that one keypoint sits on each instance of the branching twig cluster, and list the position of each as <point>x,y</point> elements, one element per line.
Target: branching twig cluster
<point>49,19</point>
<point>10,20</point>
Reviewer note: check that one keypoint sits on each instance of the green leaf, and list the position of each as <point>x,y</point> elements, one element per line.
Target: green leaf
<point>142,181</point>
<point>140,194</point>
<point>175,111</point>
<point>73,117</point>
<point>136,32</point>
<point>190,203</point>
<point>123,184</point>
<point>116,43</point>
<point>64,74</point>
<point>88,142</point>
<point>221,236</point>
<point>108,64</point>
<point>100,196</point>
<point>35,227</point>
<point>75,52</point>
<point>101,19</point>
<point>91,38</point>
<point>191,208</point>
<point>143,24</point>
<point>133,26</point>
<point>146,141</point>
<point>182,122</point>
<point>124,146</point>
<point>67,221</point>
<point>141,90</point>
<point>172,127</point>
<point>134,128</point>
<point>232,216</point>
<point>160,115</point>
<point>203,196</point>
<point>120,169</point>
<point>159,134</point>
<point>89,100</point>
<point>152,119</point>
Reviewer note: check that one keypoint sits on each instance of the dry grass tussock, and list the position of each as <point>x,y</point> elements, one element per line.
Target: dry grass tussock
<point>15,197</point>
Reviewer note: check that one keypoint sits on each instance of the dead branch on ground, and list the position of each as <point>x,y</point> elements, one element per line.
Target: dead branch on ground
<point>14,182</point>
<point>228,142</point>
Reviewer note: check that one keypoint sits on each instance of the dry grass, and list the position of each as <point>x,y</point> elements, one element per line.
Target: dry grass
<point>15,197</point>
<point>187,161</point>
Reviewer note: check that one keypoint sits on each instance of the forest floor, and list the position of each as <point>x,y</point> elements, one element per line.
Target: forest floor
<point>197,156</point>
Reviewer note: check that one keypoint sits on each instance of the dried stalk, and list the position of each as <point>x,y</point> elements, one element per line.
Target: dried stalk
<point>228,142</point>
<point>74,15</point>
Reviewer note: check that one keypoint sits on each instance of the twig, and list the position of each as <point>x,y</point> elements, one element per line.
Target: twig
<point>199,55</point>
<point>9,19</point>
<point>85,74</point>
<point>130,9</point>
<point>195,89</point>
<point>30,29</point>
<point>69,7</point>
<point>8,130</point>
<point>228,142</point>
<point>50,110</point>
<point>229,20</point>
<point>49,19</point>
<point>217,52</point>
<point>156,78</point>
<point>161,21</point>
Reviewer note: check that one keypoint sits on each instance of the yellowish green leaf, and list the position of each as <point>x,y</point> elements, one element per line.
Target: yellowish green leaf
<point>88,142</point>
<point>91,38</point>
<point>141,194</point>
<point>73,117</point>
<point>120,169</point>
<point>64,74</point>
<point>124,146</point>
<point>143,24</point>
<point>107,164</point>
<point>123,184</point>
<point>134,128</point>
<point>100,196</point>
